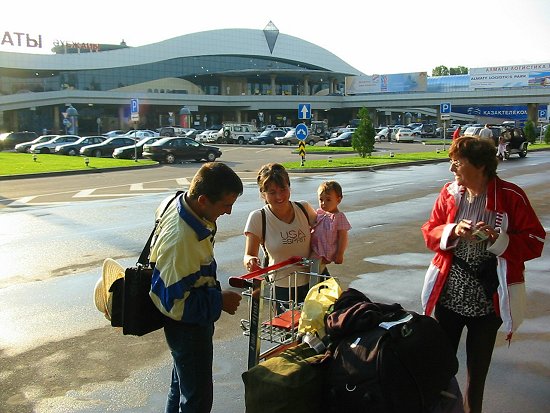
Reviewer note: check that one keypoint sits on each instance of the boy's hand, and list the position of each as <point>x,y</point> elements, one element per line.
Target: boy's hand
<point>230,301</point>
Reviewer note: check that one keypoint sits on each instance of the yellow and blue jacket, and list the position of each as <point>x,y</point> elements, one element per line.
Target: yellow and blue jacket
<point>184,285</point>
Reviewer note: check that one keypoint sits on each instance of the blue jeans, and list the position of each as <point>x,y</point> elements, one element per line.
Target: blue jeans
<point>191,389</point>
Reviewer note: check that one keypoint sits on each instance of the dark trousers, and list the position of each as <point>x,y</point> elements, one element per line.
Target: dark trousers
<point>480,341</point>
<point>191,387</point>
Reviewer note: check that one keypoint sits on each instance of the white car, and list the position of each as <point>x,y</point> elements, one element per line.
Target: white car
<point>49,146</point>
<point>139,134</point>
<point>209,135</point>
<point>407,135</point>
<point>384,135</point>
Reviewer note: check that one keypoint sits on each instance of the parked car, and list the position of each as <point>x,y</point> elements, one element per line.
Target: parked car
<point>26,146</point>
<point>407,135</point>
<point>170,150</point>
<point>516,141</point>
<point>424,130</point>
<point>209,135</point>
<point>138,134</point>
<point>449,132</point>
<point>239,133</point>
<point>475,130</point>
<point>10,139</point>
<point>129,152</point>
<point>73,148</point>
<point>342,140</point>
<point>383,135</point>
<point>106,147</point>
<point>193,133</point>
<point>49,146</point>
<point>339,131</point>
<point>290,138</point>
<point>267,137</point>
<point>172,131</point>
<point>113,133</point>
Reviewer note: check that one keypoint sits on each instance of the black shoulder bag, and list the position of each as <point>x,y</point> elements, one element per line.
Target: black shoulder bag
<point>133,309</point>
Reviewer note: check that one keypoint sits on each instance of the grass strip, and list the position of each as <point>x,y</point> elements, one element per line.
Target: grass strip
<point>25,164</point>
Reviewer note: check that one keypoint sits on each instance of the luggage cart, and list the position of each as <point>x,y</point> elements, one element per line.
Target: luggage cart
<point>271,320</point>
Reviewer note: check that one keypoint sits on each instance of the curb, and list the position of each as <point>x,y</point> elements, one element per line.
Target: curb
<point>367,168</point>
<point>75,172</point>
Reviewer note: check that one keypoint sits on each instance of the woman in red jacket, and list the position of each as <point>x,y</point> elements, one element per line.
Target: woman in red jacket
<point>482,230</point>
<point>456,133</point>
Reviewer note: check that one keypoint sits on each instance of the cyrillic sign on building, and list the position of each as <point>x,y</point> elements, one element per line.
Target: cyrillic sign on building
<point>534,75</point>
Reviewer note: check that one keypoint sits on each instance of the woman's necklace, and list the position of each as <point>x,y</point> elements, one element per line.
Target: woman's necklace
<point>286,216</point>
<point>470,197</point>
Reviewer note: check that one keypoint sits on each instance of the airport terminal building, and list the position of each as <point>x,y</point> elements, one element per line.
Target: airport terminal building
<point>227,75</point>
<point>219,75</point>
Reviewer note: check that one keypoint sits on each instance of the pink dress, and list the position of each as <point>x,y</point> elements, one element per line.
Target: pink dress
<point>324,235</point>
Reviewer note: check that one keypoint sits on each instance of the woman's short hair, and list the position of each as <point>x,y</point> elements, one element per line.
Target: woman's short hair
<point>272,173</point>
<point>478,151</point>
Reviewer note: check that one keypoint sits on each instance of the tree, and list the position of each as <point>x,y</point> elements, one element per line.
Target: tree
<point>362,140</point>
<point>547,135</point>
<point>530,131</point>
<point>460,70</point>
<point>445,71</point>
<point>440,71</point>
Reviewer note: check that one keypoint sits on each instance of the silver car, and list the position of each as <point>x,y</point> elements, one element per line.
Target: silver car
<point>49,146</point>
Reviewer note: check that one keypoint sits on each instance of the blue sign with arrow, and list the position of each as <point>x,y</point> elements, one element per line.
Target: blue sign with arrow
<point>301,131</point>
<point>304,110</point>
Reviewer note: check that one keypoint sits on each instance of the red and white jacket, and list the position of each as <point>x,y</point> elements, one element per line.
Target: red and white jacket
<point>521,239</point>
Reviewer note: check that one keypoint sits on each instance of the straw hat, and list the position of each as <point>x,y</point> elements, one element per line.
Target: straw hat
<point>103,299</point>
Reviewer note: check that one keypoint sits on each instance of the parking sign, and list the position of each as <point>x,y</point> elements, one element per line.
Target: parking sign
<point>445,108</point>
<point>134,110</point>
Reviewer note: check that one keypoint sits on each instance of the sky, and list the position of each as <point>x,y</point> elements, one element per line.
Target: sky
<point>375,37</point>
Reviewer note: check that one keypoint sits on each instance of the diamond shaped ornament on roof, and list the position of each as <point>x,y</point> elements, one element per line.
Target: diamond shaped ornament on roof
<point>271,33</point>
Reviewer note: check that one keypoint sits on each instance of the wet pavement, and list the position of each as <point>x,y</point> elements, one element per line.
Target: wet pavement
<point>58,354</point>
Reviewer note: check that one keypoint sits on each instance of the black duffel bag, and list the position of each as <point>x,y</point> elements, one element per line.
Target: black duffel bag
<point>132,308</point>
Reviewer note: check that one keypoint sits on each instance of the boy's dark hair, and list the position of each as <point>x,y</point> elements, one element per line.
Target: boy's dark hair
<point>214,180</point>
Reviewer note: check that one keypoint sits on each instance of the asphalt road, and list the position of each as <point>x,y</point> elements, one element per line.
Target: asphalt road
<point>58,354</point>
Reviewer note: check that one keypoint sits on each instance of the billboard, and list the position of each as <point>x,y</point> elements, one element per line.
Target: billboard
<point>532,75</point>
<point>400,82</point>
<point>512,112</point>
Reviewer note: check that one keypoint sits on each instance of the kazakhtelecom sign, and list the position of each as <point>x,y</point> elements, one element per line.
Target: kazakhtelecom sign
<point>516,112</point>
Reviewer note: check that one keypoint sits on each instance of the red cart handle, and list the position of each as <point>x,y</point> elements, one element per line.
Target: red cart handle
<point>243,281</point>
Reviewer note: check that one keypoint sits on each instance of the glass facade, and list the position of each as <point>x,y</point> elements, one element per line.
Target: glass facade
<point>254,76</point>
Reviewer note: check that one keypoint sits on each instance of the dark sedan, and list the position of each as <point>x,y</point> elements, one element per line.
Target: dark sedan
<point>73,148</point>
<point>106,147</point>
<point>129,152</point>
<point>267,136</point>
<point>170,150</point>
<point>343,140</point>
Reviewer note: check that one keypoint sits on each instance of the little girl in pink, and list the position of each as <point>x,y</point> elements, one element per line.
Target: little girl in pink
<point>329,235</point>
